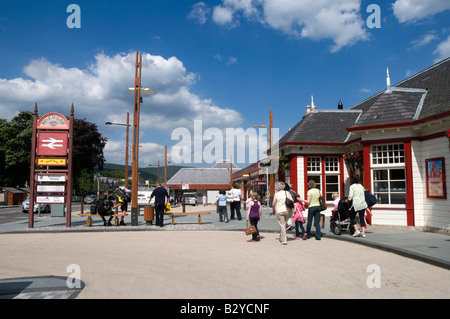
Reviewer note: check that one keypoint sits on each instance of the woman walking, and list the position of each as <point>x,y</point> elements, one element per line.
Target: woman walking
<point>313,210</point>
<point>254,215</point>
<point>280,210</point>
<point>356,195</point>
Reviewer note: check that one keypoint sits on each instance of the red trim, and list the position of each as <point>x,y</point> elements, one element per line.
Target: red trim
<point>409,185</point>
<point>341,176</point>
<point>367,167</point>
<point>305,175</point>
<point>293,173</point>
<point>319,143</point>
<point>323,179</point>
<point>400,124</point>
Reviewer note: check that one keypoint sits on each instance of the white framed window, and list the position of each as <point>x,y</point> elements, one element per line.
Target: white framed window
<point>331,172</point>
<point>389,174</point>
<point>331,177</point>
<point>314,165</point>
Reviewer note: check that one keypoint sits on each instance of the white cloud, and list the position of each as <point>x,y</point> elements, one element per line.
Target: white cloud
<point>199,12</point>
<point>424,40</point>
<point>338,20</point>
<point>100,94</point>
<point>222,15</point>
<point>414,10</point>
<point>443,50</point>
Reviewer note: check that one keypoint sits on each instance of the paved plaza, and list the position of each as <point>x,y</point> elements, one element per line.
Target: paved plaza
<point>217,261</point>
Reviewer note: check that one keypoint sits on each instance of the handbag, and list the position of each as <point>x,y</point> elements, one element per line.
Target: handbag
<point>369,198</point>
<point>168,208</point>
<point>250,230</point>
<point>323,206</point>
<point>289,204</point>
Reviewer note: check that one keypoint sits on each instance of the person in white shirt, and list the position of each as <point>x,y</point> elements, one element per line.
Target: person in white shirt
<point>356,195</point>
<point>235,205</point>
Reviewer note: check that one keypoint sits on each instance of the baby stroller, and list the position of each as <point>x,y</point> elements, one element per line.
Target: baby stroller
<point>340,218</point>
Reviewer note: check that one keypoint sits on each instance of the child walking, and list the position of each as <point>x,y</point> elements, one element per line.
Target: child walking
<point>222,207</point>
<point>298,219</point>
<point>254,215</point>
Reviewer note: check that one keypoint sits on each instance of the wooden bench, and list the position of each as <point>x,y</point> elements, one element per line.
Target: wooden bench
<point>199,216</point>
<point>89,218</point>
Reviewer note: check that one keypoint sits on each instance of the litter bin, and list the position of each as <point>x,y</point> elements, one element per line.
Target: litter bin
<point>149,214</point>
<point>58,210</point>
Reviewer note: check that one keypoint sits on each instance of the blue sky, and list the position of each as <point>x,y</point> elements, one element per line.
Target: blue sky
<point>226,62</point>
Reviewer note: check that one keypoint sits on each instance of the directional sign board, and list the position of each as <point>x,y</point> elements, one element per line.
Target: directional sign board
<point>50,199</point>
<point>51,178</point>
<point>52,162</point>
<point>52,143</point>
<point>51,188</point>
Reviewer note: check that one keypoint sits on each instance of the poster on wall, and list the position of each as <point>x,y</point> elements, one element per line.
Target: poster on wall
<point>435,168</point>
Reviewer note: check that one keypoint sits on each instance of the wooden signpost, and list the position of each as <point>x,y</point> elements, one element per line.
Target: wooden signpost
<point>51,162</point>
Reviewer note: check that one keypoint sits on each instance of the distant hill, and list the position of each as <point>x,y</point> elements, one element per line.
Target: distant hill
<point>147,173</point>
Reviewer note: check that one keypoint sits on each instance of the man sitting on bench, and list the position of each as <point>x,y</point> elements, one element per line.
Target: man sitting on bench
<point>104,207</point>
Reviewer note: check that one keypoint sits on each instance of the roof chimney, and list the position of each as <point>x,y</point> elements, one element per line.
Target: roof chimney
<point>340,105</point>
<point>308,109</point>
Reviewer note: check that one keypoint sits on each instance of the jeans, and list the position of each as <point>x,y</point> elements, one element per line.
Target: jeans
<point>223,213</point>
<point>299,224</point>
<point>314,212</point>
<point>254,222</point>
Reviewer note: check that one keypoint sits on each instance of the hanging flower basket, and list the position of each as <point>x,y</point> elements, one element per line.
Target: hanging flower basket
<point>354,160</point>
<point>285,162</point>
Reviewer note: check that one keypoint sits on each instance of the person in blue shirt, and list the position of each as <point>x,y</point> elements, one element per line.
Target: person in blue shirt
<point>222,207</point>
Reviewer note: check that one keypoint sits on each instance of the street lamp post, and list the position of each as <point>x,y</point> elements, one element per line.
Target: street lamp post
<point>126,147</point>
<point>136,91</point>
<point>270,181</point>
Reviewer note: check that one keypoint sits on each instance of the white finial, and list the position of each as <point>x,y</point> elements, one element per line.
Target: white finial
<point>388,79</point>
<point>312,102</point>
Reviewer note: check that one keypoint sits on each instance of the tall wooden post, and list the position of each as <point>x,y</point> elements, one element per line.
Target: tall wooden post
<point>135,155</point>
<point>32,169</point>
<point>69,171</point>
<point>126,151</point>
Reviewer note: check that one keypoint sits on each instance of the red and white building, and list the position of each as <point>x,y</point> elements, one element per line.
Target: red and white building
<point>400,136</point>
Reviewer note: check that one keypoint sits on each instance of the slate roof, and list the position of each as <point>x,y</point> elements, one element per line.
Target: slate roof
<point>322,126</point>
<point>201,176</point>
<point>392,107</point>
<point>420,96</point>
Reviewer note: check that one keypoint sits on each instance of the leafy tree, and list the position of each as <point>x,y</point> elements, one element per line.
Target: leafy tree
<point>15,139</point>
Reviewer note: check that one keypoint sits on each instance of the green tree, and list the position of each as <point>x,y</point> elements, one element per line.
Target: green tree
<point>15,140</point>
<point>86,182</point>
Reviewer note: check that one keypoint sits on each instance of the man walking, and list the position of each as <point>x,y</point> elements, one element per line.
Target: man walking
<point>161,198</point>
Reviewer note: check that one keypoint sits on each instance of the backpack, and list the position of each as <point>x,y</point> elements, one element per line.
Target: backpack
<point>104,206</point>
<point>122,196</point>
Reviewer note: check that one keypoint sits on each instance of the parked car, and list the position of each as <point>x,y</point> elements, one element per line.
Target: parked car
<point>90,199</point>
<point>45,208</point>
<point>190,199</point>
